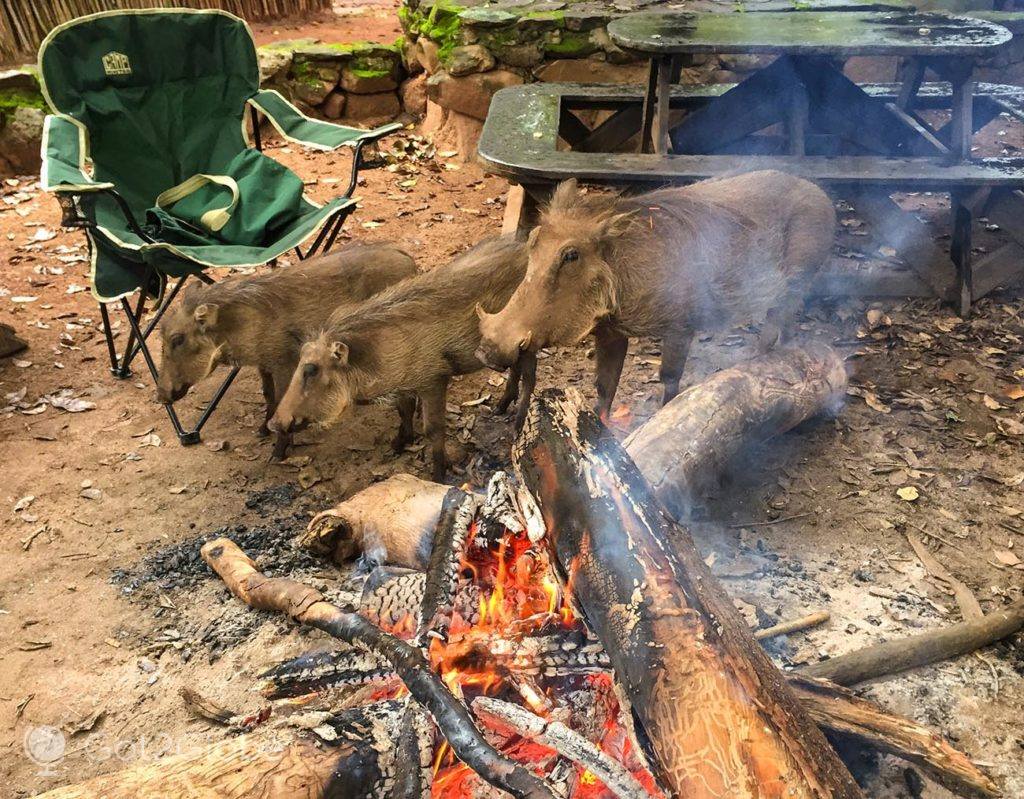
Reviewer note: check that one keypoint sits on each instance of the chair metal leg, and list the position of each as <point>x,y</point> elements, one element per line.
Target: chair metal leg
<point>186,437</point>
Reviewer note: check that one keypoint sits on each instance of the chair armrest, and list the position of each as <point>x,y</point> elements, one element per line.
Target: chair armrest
<point>295,126</point>
<point>63,155</point>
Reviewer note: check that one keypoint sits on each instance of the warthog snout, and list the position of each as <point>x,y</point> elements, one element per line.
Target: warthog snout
<point>500,346</point>
<point>169,395</point>
<point>280,423</point>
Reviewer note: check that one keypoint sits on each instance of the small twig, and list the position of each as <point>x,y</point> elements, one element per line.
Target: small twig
<point>786,627</point>
<point>27,542</point>
<point>771,522</point>
<point>936,536</point>
<point>965,599</point>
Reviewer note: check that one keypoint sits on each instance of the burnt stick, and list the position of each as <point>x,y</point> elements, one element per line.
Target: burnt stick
<point>307,606</point>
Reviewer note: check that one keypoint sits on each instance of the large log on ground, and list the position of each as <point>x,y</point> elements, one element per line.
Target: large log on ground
<point>249,766</point>
<point>713,714</point>
<point>690,441</point>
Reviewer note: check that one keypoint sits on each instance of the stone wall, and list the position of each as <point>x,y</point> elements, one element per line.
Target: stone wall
<point>472,48</point>
<point>21,121</point>
<point>356,84</point>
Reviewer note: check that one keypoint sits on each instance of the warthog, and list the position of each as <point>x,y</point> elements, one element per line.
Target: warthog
<point>663,264</point>
<point>261,321</point>
<point>413,337</point>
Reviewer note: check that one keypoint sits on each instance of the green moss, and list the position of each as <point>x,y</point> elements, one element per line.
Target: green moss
<point>441,24</point>
<point>306,72</point>
<point>11,99</point>
<point>571,43</point>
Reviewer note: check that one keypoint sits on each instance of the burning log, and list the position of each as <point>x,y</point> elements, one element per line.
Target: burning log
<point>563,740</point>
<point>308,606</point>
<point>891,657</point>
<point>693,438</point>
<point>713,713</point>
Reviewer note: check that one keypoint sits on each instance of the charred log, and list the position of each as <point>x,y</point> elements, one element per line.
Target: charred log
<point>841,713</point>
<point>901,654</point>
<point>308,606</point>
<point>562,739</point>
<point>713,713</point>
<point>454,526</point>
<point>694,437</point>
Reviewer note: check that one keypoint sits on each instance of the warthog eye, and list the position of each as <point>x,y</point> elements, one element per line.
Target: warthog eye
<point>570,255</point>
<point>177,340</point>
<point>310,370</point>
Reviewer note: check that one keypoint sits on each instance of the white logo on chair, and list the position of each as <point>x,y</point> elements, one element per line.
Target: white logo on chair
<point>116,64</point>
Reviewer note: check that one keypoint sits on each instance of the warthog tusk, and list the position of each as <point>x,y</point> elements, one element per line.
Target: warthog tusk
<point>525,343</point>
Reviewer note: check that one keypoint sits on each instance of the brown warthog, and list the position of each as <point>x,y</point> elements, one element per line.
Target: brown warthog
<point>411,337</point>
<point>261,321</point>
<point>663,264</point>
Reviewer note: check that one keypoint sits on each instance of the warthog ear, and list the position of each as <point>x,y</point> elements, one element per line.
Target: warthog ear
<point>206,315</point>
<point>565,194</point>
<point>617,224</point>
<point>339,351</point>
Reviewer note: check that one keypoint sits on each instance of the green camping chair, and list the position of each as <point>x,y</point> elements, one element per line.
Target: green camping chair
<point>156,100</point>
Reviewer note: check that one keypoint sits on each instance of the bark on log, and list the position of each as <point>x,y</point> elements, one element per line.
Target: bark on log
<point>839,711</point>
<point>233,770</point>
<point>692,439</point>
<point>392,521</point>
<point>714,714</point>
<point>901,654</point>
<point>308,606</point>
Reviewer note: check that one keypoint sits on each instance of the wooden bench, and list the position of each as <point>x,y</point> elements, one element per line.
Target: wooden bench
<point>533,138</point>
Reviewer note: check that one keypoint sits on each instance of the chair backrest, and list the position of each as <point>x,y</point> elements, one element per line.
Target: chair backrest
<point>161,92</point>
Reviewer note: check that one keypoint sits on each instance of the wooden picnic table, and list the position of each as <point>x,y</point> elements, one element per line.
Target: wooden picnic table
<point>804,87</point>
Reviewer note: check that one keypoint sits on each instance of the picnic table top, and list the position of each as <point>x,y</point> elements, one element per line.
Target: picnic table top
<point>838,33</point>
<point>520,142</point>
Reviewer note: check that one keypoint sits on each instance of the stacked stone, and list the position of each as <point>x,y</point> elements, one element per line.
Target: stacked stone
<point>354,84</point>
<point>21,121</point>
<point>469,49</point>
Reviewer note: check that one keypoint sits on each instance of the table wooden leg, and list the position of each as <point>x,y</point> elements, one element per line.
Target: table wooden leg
<point>659,131</point>
<point>797,113</point>
<point>960,251</point>
<point>961,124</point>
<point>649,102</point>
<point>911,73</point>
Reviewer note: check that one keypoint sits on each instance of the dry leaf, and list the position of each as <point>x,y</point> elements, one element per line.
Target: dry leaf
<point>90,493</point>
<point>217,446</point>
<point>178,489</point>
<point>907,493</point>
<point>991,404</point>
<point>1006,557</point>
<point>150,440</point>
<point>24,502</point>
<point>1014,392</point>
<point>1010,511</point>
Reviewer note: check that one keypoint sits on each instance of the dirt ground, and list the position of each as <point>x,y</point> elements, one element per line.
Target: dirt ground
<point>106,612</point>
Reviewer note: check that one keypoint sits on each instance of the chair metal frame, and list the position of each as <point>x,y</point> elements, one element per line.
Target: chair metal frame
<point>120,365</point>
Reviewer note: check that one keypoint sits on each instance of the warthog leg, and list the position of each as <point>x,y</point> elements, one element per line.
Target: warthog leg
<point>434,425</point>
<point>611,354</point>
<point>674,350</point>
<point>405,404</point>
<point>269,397</point>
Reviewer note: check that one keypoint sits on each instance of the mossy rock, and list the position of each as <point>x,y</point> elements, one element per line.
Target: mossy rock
<point>570,44</point>
<point>13,99</point>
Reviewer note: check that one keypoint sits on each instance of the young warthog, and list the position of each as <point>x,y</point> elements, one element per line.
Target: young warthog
<point>411,337</point>
<point>663,264</point>
<point>261,321</point>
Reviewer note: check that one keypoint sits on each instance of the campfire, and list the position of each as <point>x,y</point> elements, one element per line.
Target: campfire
<point>560,635</point>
